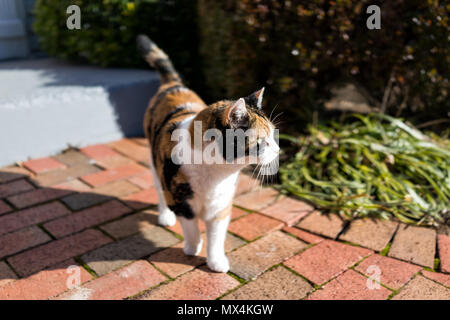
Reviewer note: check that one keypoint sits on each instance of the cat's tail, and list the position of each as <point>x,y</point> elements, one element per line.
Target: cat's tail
<point>157,58</point>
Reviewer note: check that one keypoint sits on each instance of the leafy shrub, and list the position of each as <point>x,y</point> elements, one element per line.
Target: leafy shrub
<point>109,29</point>
<point>299,48</point>
<point>295,48</point>
<point>374,166</point>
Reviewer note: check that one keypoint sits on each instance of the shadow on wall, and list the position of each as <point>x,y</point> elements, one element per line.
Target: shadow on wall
<point>126,91</point>
<point>70,229</point>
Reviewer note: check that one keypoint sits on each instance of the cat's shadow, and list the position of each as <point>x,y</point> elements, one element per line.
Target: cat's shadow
<point>121,248</point>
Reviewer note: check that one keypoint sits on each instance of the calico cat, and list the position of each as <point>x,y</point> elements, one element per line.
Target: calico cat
<point>192,191</point>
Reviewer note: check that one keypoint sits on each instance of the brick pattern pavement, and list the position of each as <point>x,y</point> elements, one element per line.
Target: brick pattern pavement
<point>83,225</point>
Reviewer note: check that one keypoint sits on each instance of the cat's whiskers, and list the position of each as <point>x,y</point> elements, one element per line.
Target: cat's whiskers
<point>276,124</point>
<point>253,173</point>
<point>270,116</point>
<point>259,173</point>
<point>269,168</point>
<point>277,116</point>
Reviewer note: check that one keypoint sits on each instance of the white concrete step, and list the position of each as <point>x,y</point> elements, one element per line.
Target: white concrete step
<point>47,105</point>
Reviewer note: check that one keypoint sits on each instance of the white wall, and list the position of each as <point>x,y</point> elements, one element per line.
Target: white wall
<point>13,35</point>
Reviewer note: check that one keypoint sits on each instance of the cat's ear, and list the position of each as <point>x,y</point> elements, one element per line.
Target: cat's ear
<point>237,114</point>
<point>255,99</point>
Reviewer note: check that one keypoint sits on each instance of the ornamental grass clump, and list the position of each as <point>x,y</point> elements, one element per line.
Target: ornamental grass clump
<point>375,166</point>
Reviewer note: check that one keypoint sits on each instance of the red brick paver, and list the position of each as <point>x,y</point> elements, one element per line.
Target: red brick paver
<point>393,273</point>
<point>370,233</point>
<point>99,152</point>
<point>256,200</point>
<point>12,173</point>
<point>328,225</point>
<point>141,141</point>
<point>52,253</point>
<point>6,274</point>
<point>55,177</point>
<point>100,205</point>
<point>121,188</point>
<point>174,262</point>
<point>44,284</point>
<point>43,165</point>
<point>288,210</point>
<point>421,288</point>
<point>350,286</point>
<point>438,277</point>
<point>277,284</point>
<point>253,226</point>
<point>14,187</point>
<point>73,185</point>
<point>303,235</point>
<point>132,224</point>
<point>4,208</point>
<point>414,244</point>
<point>114,162</point>
<point>37,196</point>
<point>72,158</point>
<point>444,252</point>
<point>119,284</point>
<point>28,217</point>
<point>236,213</point>
<point>105,156</point>
<point>251,260</point>
<point>103,177</point>
<point>17,241</point>
<point>142,199</point>
<point>132,150</point>
<point>89,198</point>
<point>326,260</point>
<point>87,218</point>
<point>199,284</point>
<point>118,254</point>
<point>144,181</point>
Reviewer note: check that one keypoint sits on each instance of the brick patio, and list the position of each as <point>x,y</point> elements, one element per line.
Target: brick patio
<point>95,208</point>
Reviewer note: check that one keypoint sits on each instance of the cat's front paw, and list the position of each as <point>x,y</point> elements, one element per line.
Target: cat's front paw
<point>193,249</point>
<point>219,264</point>
<point>167,218</point>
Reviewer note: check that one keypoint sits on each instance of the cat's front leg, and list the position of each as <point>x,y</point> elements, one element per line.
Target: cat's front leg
<point>192,239</point>
<point>216,232</point>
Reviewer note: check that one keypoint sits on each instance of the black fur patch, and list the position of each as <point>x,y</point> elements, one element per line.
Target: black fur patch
<point>170,169</point>
<point>183,191</point>
<point>180,193</point>
<point>163,94</point>
<point>182,209</point>
<point>144,44</point>
<point>238,149</point>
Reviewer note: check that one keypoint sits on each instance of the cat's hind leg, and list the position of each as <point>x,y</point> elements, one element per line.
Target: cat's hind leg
<point>166,216</point>
<point>192,238</point>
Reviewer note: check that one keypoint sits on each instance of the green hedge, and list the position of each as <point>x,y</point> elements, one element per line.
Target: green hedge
<point>109,29</point>
<point>299,48</point>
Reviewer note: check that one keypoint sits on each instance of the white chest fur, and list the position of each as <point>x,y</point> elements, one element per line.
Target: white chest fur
<point>213,186</point>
